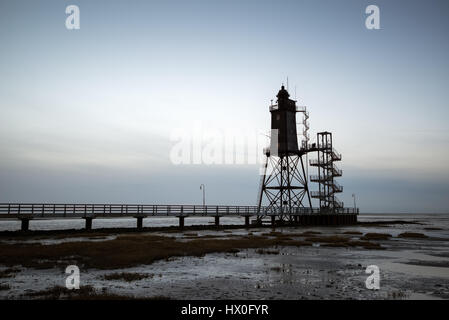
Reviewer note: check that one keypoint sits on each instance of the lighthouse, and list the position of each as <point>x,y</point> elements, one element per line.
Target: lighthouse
<point>284,141</point>
<point>283,186</point>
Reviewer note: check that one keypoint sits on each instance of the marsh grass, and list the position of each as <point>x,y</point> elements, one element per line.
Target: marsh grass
<point>207,236</point>
<point>310,233</point>
<point>4,287</point>
<point>412,235</point>
<point>328,239</point>
<point>353,232</point>
<point>364,244</point>
<point>386,223</point>
<point>129,250</point>
<point>376,236</point>
<point>127,276</point>
<point>124,251</point>
<point>83,293</point>
<point>397,294</point>
<point>283,235</point>
<point>342,242</point>
<point>57,292</point>
<point>8,273</point>
<point>81,233</point>
<point>266,251</point>
<point>273,234</point>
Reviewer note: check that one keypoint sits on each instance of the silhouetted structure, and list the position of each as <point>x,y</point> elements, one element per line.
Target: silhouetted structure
<point>327,172</point>
<point>284,180</point>
<point>284,184</point>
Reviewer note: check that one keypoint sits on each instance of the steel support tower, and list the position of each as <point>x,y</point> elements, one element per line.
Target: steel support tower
<point>327,172</point>
<point>283,182</point>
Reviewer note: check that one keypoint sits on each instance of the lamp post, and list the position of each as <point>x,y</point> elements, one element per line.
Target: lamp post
<point>203,187</point>
<point>353,196</point>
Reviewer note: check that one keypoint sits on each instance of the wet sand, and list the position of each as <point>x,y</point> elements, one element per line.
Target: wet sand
<point>410,268</point>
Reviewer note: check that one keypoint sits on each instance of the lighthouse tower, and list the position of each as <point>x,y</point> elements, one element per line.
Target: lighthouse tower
<point>283,187</point>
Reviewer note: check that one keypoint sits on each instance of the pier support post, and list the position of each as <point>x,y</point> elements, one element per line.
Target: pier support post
<point>247,221</point>
<point>217,221</point>
<point>88,222</point>
<point>25,224</point>
<point>181,222</point>
<point>273,220</point>
<point>139,222</point>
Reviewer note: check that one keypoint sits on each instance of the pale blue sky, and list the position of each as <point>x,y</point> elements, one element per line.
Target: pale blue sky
<point>86,115</point>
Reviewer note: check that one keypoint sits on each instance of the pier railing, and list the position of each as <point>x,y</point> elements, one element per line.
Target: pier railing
<point>57,210</point>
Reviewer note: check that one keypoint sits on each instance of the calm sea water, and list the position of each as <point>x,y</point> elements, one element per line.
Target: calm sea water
<point>441,220</point>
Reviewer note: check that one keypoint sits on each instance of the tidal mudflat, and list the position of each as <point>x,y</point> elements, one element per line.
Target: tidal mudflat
<point>411,252</point>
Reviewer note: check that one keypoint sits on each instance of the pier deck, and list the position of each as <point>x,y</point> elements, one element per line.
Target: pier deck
<point>28,211</point>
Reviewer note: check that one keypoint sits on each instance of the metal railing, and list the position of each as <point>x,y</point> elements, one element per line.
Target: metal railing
<point>336,171</point>
<point>57,210</point>
<point>335,155</point>
<point>301,108</point>
<point>317,178</point>
<point>337,187</point>
<point>338,203</point>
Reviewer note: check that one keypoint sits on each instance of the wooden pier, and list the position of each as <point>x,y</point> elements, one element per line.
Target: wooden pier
<point>297,215</point>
